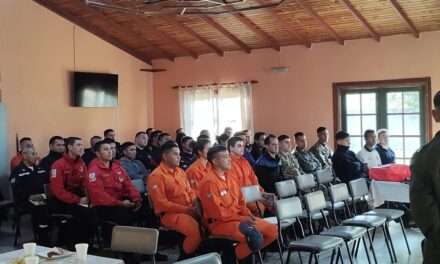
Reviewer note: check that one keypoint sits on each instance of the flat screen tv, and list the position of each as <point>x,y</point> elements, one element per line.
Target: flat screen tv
<point>95,89</point>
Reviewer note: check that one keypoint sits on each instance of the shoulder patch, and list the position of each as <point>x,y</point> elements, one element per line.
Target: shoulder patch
<point>92,177</point>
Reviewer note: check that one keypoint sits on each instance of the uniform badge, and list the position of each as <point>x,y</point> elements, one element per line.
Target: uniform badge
<point>53,173</point>
<point>155,187</point>
<point>92,177</point>
<point>121,179</point>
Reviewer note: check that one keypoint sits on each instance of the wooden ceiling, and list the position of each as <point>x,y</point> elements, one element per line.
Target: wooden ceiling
<point>294,22</point>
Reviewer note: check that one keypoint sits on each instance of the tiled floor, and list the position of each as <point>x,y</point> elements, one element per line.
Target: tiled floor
<point>414,237</point>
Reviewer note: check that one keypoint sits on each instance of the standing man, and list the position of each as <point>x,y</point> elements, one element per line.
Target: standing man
<point>56,151</point>
<point>308,162</point>
<point>321,149</point>
<point>425,192</point>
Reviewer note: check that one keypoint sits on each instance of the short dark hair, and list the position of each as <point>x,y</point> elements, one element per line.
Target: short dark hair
<point>149,130</point>
<point>54,138</point>
<point>298,134</point>
<point>200,137</point>
<point>95,137</point>
<point>185,139</point>
<point>269,138</point>
<point>167,146</point>
<point>108,130</point>
<point>283,137</point>
<point>126,145</point>
<point>222,138</point>
<point>108,141</point>
<point>320,129</point>
<point>156,133</point>
<point>99,145</point>
<point>71,140</point>
<point>139,133</point>
<point>258,135</point>
<point>178,130</point>
<point>200,145</point>
<point>233,140</point>
<point>239,134</point>
<point>437,100</point>
<point>23,139</point>
<point>212,153</point>
<point>367,132</point>
<point>162,135</point>
<point>341,135</point>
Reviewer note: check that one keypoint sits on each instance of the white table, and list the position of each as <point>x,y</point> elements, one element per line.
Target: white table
<point>8,257</point>
<point>382,191</point>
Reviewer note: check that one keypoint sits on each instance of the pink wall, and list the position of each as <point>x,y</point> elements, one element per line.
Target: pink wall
<point>36,55</point>
<point>302,98</point>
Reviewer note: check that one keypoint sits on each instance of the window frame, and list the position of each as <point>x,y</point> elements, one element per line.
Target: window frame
<point>381,87</point>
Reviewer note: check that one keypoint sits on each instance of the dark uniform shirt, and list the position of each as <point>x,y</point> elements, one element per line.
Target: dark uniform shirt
<point>268,171</point>
<point>425,197</point>
<point>144,155</point>
<point>346,165</point>
<point>186,159</point>
<point>27,181</point>
<point>46,162</point>
<point>88,156</point>
<point>307,161</point>
<point>387,156</point>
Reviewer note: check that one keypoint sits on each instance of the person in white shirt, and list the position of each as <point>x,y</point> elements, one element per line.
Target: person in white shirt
<point>368,154</point>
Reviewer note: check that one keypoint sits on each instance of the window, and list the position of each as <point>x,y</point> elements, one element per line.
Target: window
<point>216,107</point>
<point>400,107</point>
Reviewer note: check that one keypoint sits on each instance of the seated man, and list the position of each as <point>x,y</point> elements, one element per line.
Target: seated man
<point>25,142</point>
<point>368,154</point>
<point>187,155</point>
<point>143,153</point>
<point>89,153</point>
<point>110,134</point>
<point>27,181</point>
<point>256,149</point>
<point>197,171</point>
<point>307,161</point>
<point>345,163</point>
<point>321,149</point>
<point>56,151</point>
<point>111,192</point>
<point>268,166</point>
<point>224,206</point>
<point>133,167</point>
<point>67,184</point>
<point>174,200</point>
<point>289,164</point>
<point>387,155</point>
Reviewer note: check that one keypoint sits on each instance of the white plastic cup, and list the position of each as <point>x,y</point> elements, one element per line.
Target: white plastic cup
<point>81,251</point>
<point>31,260</point>
<point>29,249</point>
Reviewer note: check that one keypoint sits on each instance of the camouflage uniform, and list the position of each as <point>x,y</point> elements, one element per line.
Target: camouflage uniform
<point>289,165</point>
<point>323,153</point>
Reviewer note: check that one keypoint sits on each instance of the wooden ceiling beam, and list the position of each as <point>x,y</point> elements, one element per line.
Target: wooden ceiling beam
<point>191,32</point>
<point>226,33</point>
<point>361,19</point>
<point>315,15</point>
<point>405,17</point>
<point>94,30</point>
<point>283,21</point>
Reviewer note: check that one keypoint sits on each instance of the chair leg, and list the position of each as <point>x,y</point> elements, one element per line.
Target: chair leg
<point>288,256</point>
<point>311,258</point>
<point>333,256</point>
<point>316,258</point>
<point>17,232</point>
<point>387,228</point>
<point>404,235</point>
<point>387,243</point>
<point>280,251</point>
<point>366,249</point>
<point>353,248</point>
<point>300,257</point>
<point>260,258</point>
<point>348,252</point>
<point>340,256</point>
<point>357,249</point>
<point>154,258</point>
<point>372,247</point>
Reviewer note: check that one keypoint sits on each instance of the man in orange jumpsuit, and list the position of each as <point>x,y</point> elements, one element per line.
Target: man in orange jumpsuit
<point>200,167</point>
<point>244,173</point>
<point>224,206</point>
<point>173,199</point>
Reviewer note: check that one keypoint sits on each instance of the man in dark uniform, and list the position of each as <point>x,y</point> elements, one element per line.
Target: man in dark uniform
<point>27,181</point>
<point>187,155</point>
<point>56,150</point>
<point>425,192</point>
<point>89,153</point>
<point>143,154</point>
<point>268,166</point>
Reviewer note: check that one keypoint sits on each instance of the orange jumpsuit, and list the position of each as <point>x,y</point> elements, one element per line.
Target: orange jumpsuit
<point>245,176</point>
<point>224,208</point>
<point>196,172</point>
<point>172,197</point>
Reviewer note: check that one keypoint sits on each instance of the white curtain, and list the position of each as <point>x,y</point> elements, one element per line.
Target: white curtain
<point>216,107</point>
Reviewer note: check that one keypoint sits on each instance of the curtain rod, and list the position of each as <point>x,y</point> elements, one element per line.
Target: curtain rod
<point>199,85</point>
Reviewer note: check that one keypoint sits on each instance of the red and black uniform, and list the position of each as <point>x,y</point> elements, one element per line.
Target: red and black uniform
<point>67,185</point>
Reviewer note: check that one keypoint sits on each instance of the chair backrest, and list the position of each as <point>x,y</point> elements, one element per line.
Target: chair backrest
<point>252,193</point>
<point>315,201</point>
<point>288,208</point>
<point>358,188</point>
<point>339,192</point>
<point>286,188</point>
<point>325,176</point>
<point>305,181</point>
<point>137,240</point>
<point>211,258</point>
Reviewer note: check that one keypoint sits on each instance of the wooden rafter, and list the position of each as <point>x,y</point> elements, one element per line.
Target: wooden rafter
<point>405,17</point>
<point>324,24</point>
<point>94,30</point>
<point>195,35</point>
<point>227,34</point>
<point>131,31</point>
<point>256,29</point>
<point>283,21</point>
<point>361,19</point>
